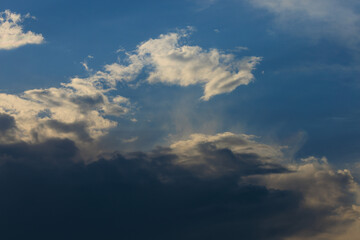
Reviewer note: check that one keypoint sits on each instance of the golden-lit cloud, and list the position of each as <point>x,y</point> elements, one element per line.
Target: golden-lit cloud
<point>169,61</point>
<point>12,34</point>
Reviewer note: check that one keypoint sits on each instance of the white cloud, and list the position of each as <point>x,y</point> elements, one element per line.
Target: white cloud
<point>75,110</point>
<point>170,62</point>
<point>185,65</point>
<point>12,34</point>
<point>165,60</point>
<point>78,109</point>
<point>317,18</point>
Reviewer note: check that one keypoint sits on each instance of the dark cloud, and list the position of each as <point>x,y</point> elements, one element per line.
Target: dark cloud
<point>219,161</point>
<point>7,122</point>
<point>7,127</point>
<point>78,128</point>
<point>52,153</point>
<point>45,194</point>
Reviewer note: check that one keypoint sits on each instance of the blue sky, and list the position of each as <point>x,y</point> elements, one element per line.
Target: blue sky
<point>306,82</point>
<point>281,70</point>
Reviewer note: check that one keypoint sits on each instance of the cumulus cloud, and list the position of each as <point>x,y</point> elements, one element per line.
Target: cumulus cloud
<point>238,153</point>
<point>12,34</point>
<point>167,60</point>
<point>261,198</point>
<point>76,110</point>
<point>317,18</point>
<point>185,65</point>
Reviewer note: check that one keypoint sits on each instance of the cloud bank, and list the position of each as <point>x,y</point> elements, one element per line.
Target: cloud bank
<point>12,34</point>
<point>225,186</point>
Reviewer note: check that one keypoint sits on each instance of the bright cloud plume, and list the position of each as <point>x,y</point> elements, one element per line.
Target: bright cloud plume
<point>168,61</point>
<point>318,18</point>
<point>12,34</point>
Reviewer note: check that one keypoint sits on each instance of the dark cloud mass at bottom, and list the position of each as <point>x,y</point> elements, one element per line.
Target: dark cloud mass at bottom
<point>47,193</point>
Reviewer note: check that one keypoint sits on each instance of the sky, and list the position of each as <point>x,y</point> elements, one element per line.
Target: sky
<point>203,119</point>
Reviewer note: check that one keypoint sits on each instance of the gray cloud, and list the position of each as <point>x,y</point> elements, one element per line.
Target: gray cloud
<point>7,123</point>
<point>7,128</point>
<point>86,103</point>
<point>250,194</point>
<point>78,128</point>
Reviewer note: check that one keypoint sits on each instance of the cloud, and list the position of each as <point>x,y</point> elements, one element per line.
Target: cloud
<point>167,60</point>
<point>12,34</point>
<point>76,110</point>
<point>324,190</point>
<point>7,128</point>
<point>46,189</point>
<point>52,152</point>
<point>238,153</point>
<point>185,65</point>
<point>318,18</point>
<point>130,140</point>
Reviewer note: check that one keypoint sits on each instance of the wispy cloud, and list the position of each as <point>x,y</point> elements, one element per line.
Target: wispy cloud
<point>12,34</point>
<point>317,18</point>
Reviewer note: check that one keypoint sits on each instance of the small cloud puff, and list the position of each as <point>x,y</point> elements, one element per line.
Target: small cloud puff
<point>12,34</point>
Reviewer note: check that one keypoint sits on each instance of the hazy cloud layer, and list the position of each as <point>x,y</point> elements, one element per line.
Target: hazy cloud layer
<point>317,18</point>
<point>12,34</point>
<point>46,190</point>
